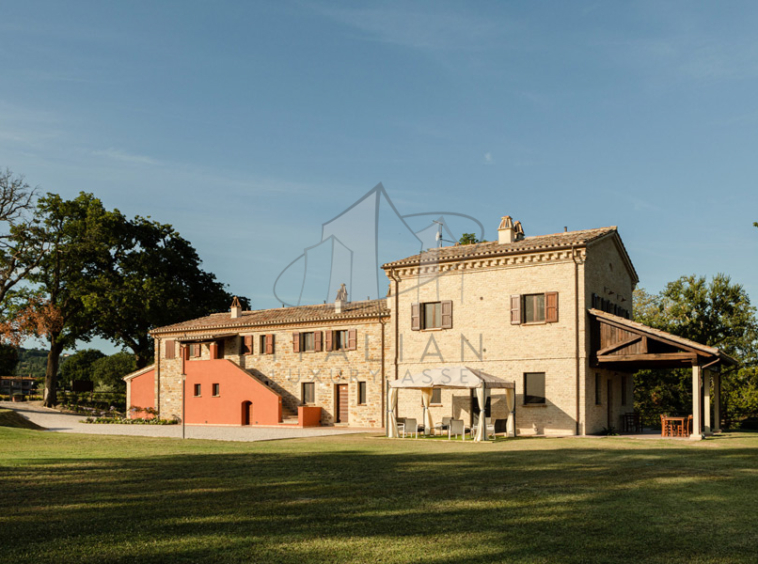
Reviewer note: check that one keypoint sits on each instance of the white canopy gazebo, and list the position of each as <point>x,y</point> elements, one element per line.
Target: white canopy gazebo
<point>451,377</point>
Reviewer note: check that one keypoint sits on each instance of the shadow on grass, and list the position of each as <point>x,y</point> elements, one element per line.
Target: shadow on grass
<point>362,500</point>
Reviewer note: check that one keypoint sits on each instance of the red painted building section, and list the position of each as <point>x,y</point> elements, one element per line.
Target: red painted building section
<point>308,416</point>
<point>142,394</point>
<point>218,392</point>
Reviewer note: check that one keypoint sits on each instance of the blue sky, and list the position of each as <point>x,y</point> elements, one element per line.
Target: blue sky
<point>249,125</point>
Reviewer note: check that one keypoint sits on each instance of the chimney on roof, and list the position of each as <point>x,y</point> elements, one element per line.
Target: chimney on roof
<point>341,300</point>
<point>236,308</point>
<point>506,232</point>
<point>519,231</point>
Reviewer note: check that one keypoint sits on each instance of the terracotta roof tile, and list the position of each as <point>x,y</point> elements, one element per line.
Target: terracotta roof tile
<point>528,244</point>
<point>281,316</point>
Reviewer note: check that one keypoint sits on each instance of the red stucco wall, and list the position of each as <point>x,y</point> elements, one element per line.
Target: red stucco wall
<point>235,387</point>
<point>142,394</point>
<point>308,416</point>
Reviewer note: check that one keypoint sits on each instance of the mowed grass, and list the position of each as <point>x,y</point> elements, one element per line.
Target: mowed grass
<point>76,498</point>
<point>9,418</point>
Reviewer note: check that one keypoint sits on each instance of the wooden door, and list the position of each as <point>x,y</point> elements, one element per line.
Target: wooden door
<point>247,412</point>
<point>342,403</point>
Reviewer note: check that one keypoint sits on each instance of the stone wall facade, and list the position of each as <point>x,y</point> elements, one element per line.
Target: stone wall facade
<point>285,371</point>
<point>480,333</point>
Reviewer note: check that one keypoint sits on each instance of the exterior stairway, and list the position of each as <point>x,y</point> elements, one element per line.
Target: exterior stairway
<point>289,415</point>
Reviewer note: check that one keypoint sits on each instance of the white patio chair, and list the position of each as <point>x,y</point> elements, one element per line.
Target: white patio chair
<point>444,425</point>
<point>409,426</point>
<point>489,428</point>
<point>456,428</point>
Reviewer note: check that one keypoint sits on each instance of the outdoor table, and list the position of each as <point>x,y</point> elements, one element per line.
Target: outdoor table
<point>672,422</point>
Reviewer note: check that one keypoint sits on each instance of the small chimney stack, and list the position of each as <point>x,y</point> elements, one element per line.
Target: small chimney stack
<point>519,231</point>
<point>341,300</point>
<point>236,308</point>
<point>506,233</point>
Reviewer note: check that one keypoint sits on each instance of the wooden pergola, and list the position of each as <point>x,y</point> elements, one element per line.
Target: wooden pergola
<point>623,345</point>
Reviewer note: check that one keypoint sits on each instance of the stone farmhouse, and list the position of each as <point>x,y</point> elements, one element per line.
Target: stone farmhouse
<point>549,313</point>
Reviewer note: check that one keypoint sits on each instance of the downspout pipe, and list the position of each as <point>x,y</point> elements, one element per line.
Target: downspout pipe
<point>577,367</point>
<point>396,312</point>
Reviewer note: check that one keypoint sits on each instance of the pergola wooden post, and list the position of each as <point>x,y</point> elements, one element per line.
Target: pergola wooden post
<point>707,425</point>
<point>697,430</point>
<point>716,402</point>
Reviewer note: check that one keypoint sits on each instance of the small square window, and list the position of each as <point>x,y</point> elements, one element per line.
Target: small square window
<point>307,341</point>
<point>197,390</point>
<point>432,315</point>
<point>437,396</point>
<point>216,390</point>
<point>361,393</point>
<point>309,393</point>
<point>340,340</point>
<point>534,308</point>
<point>534,387</point>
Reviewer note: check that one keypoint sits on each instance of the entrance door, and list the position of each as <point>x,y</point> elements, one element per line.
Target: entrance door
<point>247,412</point>
<point>610,404</point>
<point>342,403</point>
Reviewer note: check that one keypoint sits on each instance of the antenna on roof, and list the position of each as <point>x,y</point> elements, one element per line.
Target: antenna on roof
<point>438,236</point>
<point>565,228</point>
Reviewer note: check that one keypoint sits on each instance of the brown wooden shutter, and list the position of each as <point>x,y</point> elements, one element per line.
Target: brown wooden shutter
<point>186,352</point>
<point>269,344</point>
<point>296,342</point>
<point>170,350</point>
<point>352,339</point>
<point>516,310</point>
<point>248,348</point>
<point>415,317</point>
<point>195,352</point>
<point>328,336</point>
<point>318,341</point>
<point>551,307</point>
<point>447,314</point>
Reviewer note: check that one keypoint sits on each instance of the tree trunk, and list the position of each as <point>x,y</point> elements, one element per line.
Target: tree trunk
<point>50,397</point>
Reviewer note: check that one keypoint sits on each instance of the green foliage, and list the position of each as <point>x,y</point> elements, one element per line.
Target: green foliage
<point>469,239</point>
<point>716,313</point>
<point>80,366</point>
<point>8,360</point>
<point>31,362</point>
<point>108,371</point>
<point>153,278</point>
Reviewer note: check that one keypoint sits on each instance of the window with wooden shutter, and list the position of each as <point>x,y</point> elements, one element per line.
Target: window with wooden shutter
<point>551,307</point>
<point>516,310</point>
<point>185,352</point>
<point>296,342</point>
<point>447,314</point>
<point>247,344</point>
<point>318,344</point>
<point>328,340</point>
<point>170,350</point>
<point>269,344</point>
<point>352,339</point>
<point>415,317</point>
<point>195,350</point>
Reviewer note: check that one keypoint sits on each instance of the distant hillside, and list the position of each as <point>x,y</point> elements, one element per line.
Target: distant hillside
<point>31,362</point>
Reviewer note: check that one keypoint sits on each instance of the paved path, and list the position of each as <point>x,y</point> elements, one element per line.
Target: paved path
<point>53,420</point>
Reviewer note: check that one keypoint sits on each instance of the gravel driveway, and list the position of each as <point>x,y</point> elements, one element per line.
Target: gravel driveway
<point>55,421</point>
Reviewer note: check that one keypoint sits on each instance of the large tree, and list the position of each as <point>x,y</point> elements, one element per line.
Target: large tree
<point>80,366</point>
<point>109,371</point>
<point>717,313</point>
<point>154,278</point>
<point>79,235</point>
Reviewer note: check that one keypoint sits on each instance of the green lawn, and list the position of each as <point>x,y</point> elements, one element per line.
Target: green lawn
<point>104,499</point>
